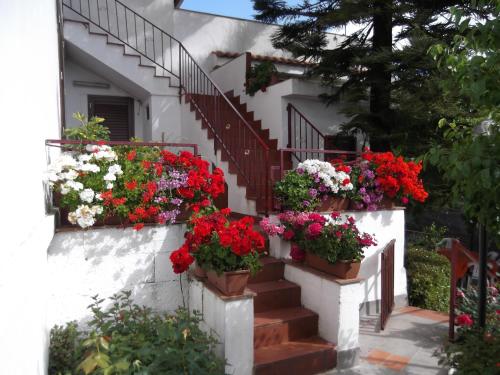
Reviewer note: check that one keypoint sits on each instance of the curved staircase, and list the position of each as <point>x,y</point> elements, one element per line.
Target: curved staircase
<point>286,337</point>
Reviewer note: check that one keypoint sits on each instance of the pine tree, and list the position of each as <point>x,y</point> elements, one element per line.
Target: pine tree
<point>381,71</point>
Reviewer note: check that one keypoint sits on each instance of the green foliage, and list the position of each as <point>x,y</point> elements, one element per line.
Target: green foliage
<point>90,130</point>
<point>383,61</point>
<point>468,155</point>
<point>476,350</point>
<point>64,349</point>
<point>259,77</point>
<point>293,190</point>
<point>429,237</point>
<point>129,339</point>
<point>428,279</point>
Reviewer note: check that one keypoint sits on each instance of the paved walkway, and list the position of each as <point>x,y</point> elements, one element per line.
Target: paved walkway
<point>406,346</point>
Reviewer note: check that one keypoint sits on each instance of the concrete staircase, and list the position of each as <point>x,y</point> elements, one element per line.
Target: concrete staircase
<point>286,337</point>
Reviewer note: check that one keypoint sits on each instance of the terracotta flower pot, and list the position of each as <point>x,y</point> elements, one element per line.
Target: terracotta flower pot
<point>230,283</point>
<point>333,204</point>
<point>199,272</point>
<point>387,203</point>
<point>341,269</point>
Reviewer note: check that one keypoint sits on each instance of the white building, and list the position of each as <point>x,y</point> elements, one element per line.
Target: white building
<point>161,73</point>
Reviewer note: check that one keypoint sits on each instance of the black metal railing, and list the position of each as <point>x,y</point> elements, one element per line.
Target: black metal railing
<point>302,134</point>
<point>233,135</point>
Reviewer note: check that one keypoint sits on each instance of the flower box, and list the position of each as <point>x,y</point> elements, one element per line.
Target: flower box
<point>333,204</point>
<point>230,283</point>
<point>342,269</point>
<point>199,272</point>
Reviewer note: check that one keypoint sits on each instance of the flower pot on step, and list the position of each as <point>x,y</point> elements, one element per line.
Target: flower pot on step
<point>230,283</point>
<point>199,272</point>
<point>333,204</point>
<point>341,269</point>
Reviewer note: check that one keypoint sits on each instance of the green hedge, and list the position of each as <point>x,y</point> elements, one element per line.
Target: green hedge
<point>428,279</point>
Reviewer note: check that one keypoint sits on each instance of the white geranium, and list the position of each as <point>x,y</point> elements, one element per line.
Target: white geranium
<point>87,195</point>
<point>71,185</point>
<point>327,174</point>
<point>83,158</point>
<point>84,215</point>
<point>109,186</point>
<point>89,167</point>
<point>115,169</point>
<point>109,177</point>
<point>69,175</point>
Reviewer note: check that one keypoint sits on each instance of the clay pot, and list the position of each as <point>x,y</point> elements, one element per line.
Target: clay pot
<point>333,204</point>
<point>230,283</point>
<point>386,203</point>
<point>199,272</point>
<point>341,269</point>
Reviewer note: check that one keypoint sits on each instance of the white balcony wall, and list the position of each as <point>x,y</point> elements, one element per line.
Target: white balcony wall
<point>29,97</point>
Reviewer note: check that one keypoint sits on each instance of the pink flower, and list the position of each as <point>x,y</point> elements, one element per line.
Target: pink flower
<point>270,228</point>
<point>464,320</point>
<point>335,215</point>
<point>404,200</point>
<point>314,230</point>
<point>297,253</point>
<point>288,234</point>
<point>460,294</point>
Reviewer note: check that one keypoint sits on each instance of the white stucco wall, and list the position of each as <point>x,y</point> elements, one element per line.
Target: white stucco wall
<point>106,261</point>
<point>29,97</point>
<point>231,320</point>
<point>385,225</point>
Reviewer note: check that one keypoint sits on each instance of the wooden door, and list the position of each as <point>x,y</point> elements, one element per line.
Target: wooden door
<point>118,113</point>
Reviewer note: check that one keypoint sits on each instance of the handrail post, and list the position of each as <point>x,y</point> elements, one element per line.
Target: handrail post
<point>289,109</point>
<point>453,291</point>
<point>180,72</point>
<point>267,180</point>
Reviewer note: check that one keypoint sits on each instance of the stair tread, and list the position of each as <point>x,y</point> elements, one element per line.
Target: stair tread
<point>269,286</point>
<point>269,260</point>
<point>282,315</point>
<point>291,349</point>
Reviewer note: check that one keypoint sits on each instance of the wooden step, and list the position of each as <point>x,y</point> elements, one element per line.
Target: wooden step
<point>275,295</point>
<point>272,270</point>
<point>274,327</point>
<point>299,357</point>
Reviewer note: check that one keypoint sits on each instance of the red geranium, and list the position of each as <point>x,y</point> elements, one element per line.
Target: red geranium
<point>181,259</point>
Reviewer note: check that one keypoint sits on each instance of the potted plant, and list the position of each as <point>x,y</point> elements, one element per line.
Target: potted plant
<point>328,244</point>
<point>227,250</point>
<point>260,77</point>
<point>397,178</point>
<point>315,185</point>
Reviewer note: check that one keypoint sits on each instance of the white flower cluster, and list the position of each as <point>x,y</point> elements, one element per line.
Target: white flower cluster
<point>84,215</point>
<point>65,170</point>
<point>326,174</point>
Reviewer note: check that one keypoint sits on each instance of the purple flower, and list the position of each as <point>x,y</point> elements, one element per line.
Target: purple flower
<point>299,171</point>
<point>362,190</point>
<point>313,193</point>
<point>323,188</point>
<point>169,216</point>
<point>306,203</point>
<point>176,201</point>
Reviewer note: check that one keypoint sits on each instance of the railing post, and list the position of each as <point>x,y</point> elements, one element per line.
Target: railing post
<point>180,72</point>
<point>453,290</point>
<point>289,109</point>
<point>267,196</point>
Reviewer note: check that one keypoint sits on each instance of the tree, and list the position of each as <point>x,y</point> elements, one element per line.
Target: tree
<point>383,63</point>
<point>468,155</point>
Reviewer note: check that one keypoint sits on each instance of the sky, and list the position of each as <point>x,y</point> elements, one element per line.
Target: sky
<point>232,8</point>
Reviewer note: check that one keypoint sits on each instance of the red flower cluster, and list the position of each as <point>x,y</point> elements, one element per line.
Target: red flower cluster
<point>464,320</point>
<point>396,176</point>
<point>215,229</point>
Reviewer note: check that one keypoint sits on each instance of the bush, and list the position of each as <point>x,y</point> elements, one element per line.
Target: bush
<point>428,279</point>
<point>130,339</point>
<point>476,350</point>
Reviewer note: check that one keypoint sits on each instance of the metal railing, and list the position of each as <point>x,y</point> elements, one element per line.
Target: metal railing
<point>233,135</point>
<point>302,134</point>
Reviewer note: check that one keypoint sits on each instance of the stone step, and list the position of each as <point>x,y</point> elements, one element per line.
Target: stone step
<point>272,270</point>
<point>300,357</point>
<point>272,295</point>
<point>277,326</point>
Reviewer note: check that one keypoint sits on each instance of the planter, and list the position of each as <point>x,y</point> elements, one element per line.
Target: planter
<point>387,203</point>
<point>333,204</point>
<point>199,272</point>
<point>341,269</point>
<point>230,283</point>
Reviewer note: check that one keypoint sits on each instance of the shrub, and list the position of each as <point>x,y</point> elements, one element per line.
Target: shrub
<point>64,349</point>
<point>259,77</point>
<point>90,130</point>
<point>428,279</point>
<point>130,339</point>
<point>476,350</point>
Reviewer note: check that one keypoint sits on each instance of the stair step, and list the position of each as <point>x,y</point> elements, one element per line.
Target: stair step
<point>299,357</point>
<point>272,270</point>
<point>274,327</point>
<point>272,295</point>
